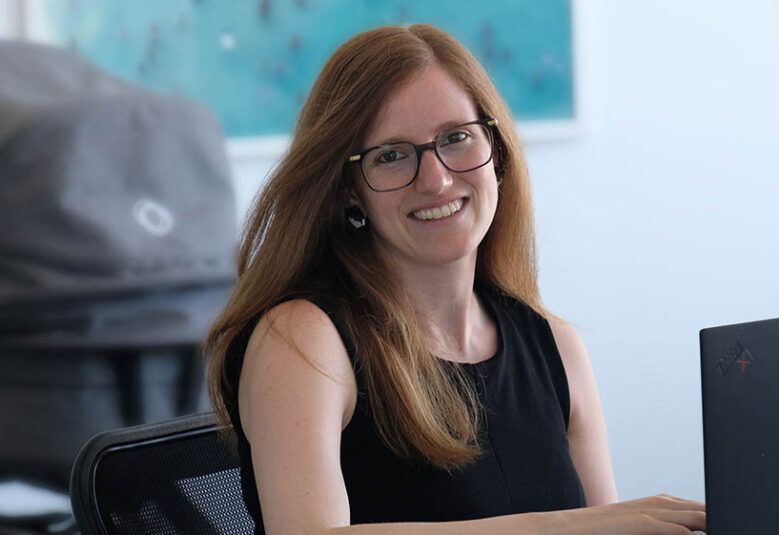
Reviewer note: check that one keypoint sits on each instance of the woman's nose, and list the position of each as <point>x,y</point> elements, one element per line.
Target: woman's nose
<point>433,177</point>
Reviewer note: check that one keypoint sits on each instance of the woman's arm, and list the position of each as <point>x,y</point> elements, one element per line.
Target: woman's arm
<point>297,393</point>
<point>587,436</point>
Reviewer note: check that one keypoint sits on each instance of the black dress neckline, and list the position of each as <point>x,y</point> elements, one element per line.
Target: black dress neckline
<point>489,307</point>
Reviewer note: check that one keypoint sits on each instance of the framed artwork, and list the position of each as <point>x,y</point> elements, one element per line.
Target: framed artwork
<point>253,61</point>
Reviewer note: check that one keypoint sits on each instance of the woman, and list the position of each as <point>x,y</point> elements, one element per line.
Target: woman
<point>385,358</point>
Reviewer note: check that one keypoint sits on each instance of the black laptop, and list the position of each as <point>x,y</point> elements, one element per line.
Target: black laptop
<point>740,380</point>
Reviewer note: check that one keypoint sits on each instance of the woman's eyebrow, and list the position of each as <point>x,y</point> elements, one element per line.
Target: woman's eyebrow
<point>440,128</point>
<point>451,124</point>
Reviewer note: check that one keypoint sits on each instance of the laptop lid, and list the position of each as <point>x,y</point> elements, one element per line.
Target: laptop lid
<point>740,384</point>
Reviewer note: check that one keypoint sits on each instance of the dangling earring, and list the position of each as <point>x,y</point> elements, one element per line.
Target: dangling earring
<point>355,216</point>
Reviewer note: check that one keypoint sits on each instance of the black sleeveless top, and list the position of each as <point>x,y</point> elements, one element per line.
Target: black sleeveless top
<point>525,466</point>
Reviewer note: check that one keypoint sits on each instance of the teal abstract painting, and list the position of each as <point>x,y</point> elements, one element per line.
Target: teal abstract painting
<point>253,61</point>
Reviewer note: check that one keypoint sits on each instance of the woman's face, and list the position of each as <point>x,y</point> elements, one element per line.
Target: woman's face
<point>401,220</point>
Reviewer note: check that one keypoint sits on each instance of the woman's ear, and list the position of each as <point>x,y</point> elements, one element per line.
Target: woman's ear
<point>354,212</point>
<point>352,199</point>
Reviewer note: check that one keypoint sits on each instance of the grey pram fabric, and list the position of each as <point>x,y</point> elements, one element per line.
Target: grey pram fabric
<point>106,190</point>
<point>117,236</point>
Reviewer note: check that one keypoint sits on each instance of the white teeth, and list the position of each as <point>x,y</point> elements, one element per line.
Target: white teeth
<point>439,211</point>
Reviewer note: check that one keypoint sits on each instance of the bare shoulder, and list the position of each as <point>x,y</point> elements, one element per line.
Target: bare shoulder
<point>295,320</point>
<point>305,330</point>
<point>569,344</point>
<point>295,346</point>
<point>578,370</point>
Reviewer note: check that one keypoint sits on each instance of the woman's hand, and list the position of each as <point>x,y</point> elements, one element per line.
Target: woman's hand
<point>657,515</point>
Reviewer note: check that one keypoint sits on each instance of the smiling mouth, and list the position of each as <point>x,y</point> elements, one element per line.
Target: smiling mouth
<point>439,212</point>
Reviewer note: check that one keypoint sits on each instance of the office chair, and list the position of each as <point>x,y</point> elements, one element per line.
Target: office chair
<point>179,476</point>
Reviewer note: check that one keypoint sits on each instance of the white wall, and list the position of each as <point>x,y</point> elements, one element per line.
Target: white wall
<point>661,218</point>
<point>10,19</point>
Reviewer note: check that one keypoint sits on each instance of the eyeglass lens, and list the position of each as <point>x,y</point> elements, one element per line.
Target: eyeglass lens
<point>460,149</point>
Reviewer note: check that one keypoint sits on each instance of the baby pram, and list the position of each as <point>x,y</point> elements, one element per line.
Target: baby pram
<point>117,231</point>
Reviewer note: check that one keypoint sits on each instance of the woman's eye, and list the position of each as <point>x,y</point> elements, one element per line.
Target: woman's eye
<point>389,156</point>
<point>455,137</point>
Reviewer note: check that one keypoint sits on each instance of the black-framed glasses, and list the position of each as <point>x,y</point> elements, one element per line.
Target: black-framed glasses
<point>460,149</point>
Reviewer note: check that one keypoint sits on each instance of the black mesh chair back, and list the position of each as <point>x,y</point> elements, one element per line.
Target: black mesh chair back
<point>176,477</point>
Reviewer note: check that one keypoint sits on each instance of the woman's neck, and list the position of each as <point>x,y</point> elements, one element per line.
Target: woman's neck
<point>443,298</point>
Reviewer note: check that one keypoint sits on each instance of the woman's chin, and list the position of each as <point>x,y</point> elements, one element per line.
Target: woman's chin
<point>446,256</point>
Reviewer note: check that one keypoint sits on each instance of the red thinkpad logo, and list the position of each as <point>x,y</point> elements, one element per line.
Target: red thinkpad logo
<point>736,355</point>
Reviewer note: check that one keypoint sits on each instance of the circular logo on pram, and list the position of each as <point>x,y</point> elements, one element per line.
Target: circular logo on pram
<point>153,217</point>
